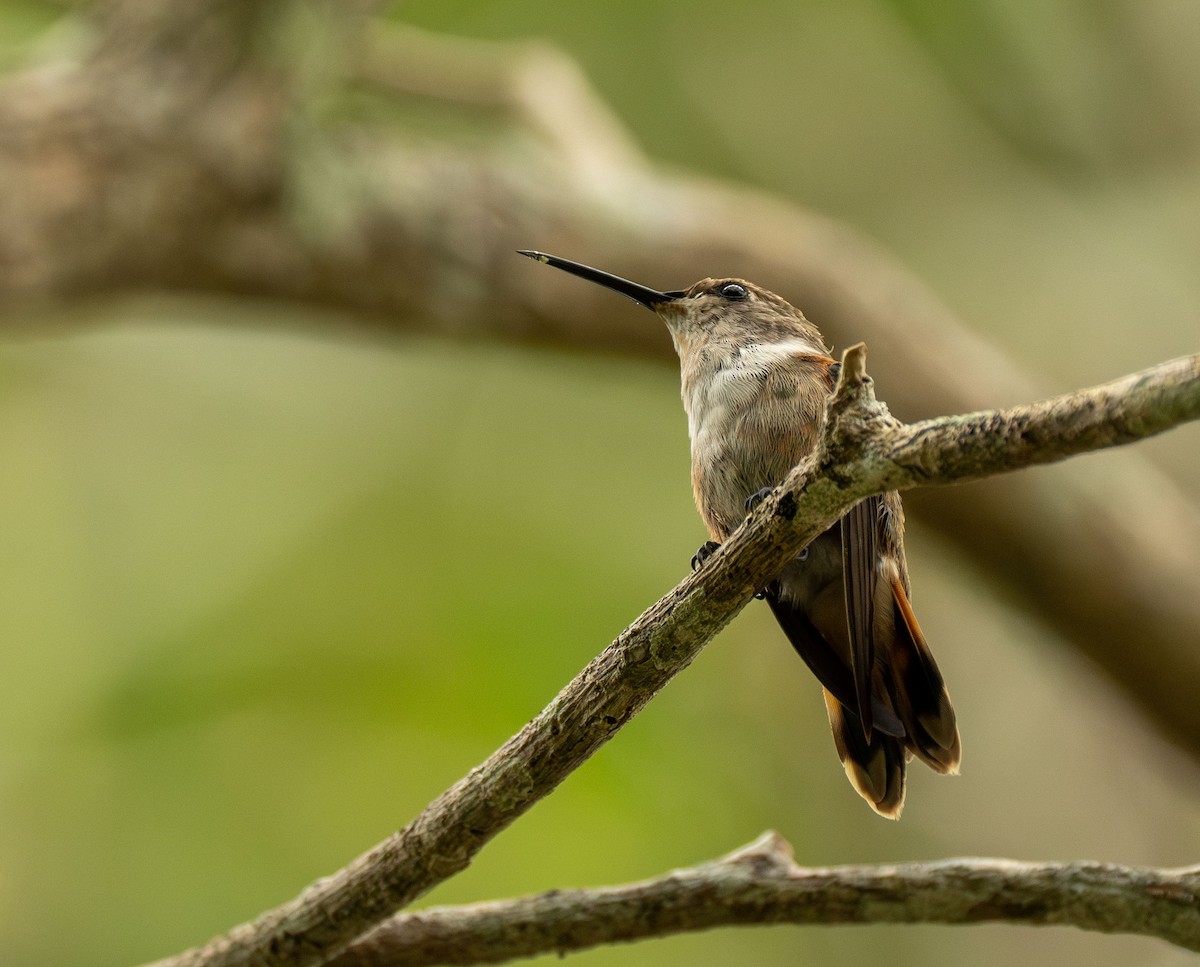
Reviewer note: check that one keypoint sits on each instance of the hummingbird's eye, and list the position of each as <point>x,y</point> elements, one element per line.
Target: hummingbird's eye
<point>734,292</point>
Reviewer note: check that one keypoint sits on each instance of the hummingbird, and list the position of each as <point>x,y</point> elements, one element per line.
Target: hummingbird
<point>756,375</point>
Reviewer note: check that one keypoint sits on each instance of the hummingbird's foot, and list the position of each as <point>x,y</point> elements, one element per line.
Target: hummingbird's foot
<point>755,499</point>
<point>707,549</point>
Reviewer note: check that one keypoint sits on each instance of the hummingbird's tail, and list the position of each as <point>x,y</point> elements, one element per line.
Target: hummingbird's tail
<point>911,713</point>
<point>909,677</point>
<point>876,768</point>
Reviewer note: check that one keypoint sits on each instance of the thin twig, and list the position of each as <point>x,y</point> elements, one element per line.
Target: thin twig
<point>863,451</point>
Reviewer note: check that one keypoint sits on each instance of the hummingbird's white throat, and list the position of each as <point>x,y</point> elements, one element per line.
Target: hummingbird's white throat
<point>716,388</point>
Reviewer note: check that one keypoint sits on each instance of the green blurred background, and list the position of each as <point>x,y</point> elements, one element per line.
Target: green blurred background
<point>272,581</point>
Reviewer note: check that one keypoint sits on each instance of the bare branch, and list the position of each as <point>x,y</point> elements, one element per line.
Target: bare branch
<point>762,884</point>
<point>968,447</point>
<point>863,451</point>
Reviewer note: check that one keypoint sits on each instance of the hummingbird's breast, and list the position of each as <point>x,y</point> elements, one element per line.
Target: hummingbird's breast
<point>753,412</point>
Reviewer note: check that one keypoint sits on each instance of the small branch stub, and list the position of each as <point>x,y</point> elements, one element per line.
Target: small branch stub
<point>854,418</point>
<point>852,373</point>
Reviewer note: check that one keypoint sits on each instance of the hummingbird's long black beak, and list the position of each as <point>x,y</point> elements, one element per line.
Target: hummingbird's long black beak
<point>638,293</point>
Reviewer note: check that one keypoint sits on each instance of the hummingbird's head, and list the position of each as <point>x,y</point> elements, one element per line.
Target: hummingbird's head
<point>734,312</point>
<point>729,312</point>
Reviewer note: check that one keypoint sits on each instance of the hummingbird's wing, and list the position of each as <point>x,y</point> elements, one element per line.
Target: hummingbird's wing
<point>859,554</point>
<point>914,683</point>
<point>826,664</point>
<point>919,690</point>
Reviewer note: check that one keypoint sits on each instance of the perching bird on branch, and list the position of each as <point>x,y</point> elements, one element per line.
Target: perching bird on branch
<point>756,375</point>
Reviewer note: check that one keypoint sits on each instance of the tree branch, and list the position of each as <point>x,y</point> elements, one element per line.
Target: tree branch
<point>762,884</point>
<point>957,449</point>
<point>863,450</point>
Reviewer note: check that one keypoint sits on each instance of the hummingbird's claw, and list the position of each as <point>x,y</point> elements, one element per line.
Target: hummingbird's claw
<point>769,593</point>
<point>755,499</point>
<point>705,551</point>
<point>708,548</point>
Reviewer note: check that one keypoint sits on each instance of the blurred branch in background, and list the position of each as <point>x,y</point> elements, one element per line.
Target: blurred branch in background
<point>1061,115</point>
<point>183,145</point>
<point>762,884</point>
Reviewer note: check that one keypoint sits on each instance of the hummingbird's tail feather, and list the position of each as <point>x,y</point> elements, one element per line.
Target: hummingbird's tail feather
<point>919,692</point>
<point>875,768</point>
<point>911,707</point>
